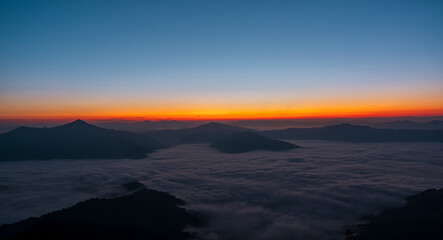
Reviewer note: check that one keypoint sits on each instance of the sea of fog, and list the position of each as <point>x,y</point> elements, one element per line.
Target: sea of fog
<point>307,193</point>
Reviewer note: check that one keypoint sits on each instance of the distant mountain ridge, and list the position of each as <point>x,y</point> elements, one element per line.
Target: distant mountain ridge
<point>420,123</point>
<point>355,133</point>
<point>74,140</point>
<point>205,133</point>
<point>407,124</point>
<point>146,125</point>
<point>223,137</point>
<point>78,139</point>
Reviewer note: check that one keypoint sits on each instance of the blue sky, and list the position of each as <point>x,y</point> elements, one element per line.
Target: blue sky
<point>165,47</point>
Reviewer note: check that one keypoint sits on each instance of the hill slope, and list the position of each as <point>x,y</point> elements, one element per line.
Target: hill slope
<point>206,133</point>
<point>145,214</point>
<point>420,218</point>
<point>247,141</point>
<point>74,140</point>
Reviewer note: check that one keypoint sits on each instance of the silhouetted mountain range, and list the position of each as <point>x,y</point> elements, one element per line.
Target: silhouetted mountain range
<point>223,137</point>
<point>421,218</point>
<point>145,126</point>
<point>406,124</point>
<point>206,133</point>
<point>79,139</point>
<point>74,140</point>
<point>145,214</point>
<point>354,133</point>
<point>241,142</point>
<point>422,123</point>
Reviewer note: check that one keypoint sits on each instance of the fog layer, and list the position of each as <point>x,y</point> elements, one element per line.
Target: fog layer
<point>306,193</point>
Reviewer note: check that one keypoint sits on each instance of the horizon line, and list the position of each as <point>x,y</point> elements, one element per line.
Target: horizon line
<point>155,119</point>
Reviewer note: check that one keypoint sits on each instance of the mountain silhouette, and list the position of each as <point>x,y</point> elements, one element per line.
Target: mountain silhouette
<point>144,214</point>
<point>420,218</point>
<point>241,142</point>
<point>74,140</point>
<point>406,124</point>
<point>146,125</point>
<point>225,138</point>
<point>355,133</point>
<point>78,123</point>
<point>435,124</point>
<point>206,133</point>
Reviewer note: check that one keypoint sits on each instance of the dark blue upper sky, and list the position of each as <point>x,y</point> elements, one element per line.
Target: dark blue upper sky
<point>144,47</point>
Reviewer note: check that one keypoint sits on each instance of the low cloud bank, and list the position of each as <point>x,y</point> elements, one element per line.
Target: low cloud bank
<point>307,193</point>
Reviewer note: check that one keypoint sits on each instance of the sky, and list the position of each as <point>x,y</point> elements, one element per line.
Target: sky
<point>220,59</point>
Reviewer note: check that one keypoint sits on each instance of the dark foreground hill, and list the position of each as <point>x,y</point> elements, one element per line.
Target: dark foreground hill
<point>74,140</point>
<point>355,133</point>
<point>421,218</point>
<point>248,141</point>
<point>145,214</point>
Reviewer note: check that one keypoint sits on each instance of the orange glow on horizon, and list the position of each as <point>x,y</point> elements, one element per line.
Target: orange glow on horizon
<point>341,103</point>
<point>236,116</point>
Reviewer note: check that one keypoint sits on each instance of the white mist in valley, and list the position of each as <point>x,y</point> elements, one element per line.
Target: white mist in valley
<point>306,193</point>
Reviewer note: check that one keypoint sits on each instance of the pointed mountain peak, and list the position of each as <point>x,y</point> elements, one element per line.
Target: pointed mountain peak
<point>77,123</point>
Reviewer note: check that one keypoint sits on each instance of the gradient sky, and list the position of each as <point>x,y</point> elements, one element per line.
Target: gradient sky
<point>220,59</point>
